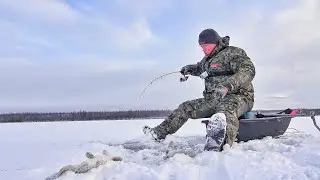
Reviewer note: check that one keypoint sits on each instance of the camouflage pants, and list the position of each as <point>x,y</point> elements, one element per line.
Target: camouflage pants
<point>232,105</point>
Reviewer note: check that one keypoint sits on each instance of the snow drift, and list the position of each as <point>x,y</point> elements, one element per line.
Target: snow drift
<point>37,150</point>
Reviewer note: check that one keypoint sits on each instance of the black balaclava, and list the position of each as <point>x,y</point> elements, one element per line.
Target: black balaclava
<point>208,36</point>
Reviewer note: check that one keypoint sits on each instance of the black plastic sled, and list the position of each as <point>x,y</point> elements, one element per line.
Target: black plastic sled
<point>258,125</point>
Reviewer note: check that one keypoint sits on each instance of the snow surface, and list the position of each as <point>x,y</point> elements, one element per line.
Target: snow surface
<point>32,151</point>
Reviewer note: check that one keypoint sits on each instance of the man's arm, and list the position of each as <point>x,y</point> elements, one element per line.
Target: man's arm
<point>244,71</point>
<point>192,69</point>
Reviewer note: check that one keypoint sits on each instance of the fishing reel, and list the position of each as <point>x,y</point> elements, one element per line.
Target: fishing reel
<point>184,78</point>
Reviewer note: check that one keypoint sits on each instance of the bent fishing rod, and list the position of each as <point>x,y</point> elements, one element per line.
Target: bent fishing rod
<point>182,79</point>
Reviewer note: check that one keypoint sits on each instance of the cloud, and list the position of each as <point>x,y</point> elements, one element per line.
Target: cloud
<point>88,82</point>
<point>144,8</point>
<point>81,59</point>
<point>298,25</point>
<point>60,26</point>
<point>81,65</point>
<point>279,96</point>
<point>14,62</point>
<point>76,83</point>
<point>133,37</point>
<point>287,57</point>
<point>44,10</point>
<point>100,54</point>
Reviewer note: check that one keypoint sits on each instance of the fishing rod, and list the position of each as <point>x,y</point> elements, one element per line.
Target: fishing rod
<point>182,79</point>
<point>313,114</point>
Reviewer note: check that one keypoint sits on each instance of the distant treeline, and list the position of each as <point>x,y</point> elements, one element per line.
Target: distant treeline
<point>308,111</point>
<point>101,115</point>
<point>82,116</point>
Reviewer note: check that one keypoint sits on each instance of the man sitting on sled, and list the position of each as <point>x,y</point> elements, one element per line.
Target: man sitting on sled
<point>228,73</point>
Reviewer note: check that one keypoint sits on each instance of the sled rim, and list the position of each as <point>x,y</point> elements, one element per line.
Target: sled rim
<point>266,119</point>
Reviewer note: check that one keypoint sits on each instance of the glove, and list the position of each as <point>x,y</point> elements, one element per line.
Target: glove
<point>204,75</point>
<point>185,70</point>
<point>220,92</point>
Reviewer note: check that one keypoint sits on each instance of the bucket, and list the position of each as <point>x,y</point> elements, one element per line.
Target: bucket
<point>248,115</point>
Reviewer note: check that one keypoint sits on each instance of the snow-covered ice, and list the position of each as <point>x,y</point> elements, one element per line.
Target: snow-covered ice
<point>32,151</point>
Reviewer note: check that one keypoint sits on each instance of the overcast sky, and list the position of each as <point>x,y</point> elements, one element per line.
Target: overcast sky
<point>99,55</point>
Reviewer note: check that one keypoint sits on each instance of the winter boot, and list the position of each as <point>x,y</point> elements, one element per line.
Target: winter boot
<point>150,133</point>
<point>216,132</point>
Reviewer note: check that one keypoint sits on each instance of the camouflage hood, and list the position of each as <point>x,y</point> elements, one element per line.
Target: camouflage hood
<point>223,43</point>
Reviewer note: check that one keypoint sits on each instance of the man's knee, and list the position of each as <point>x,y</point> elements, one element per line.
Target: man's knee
<point>185,106</point>
<point>235,105</point>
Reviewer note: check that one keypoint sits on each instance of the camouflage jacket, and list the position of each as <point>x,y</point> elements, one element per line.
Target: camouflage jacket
<point>228,66</point>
